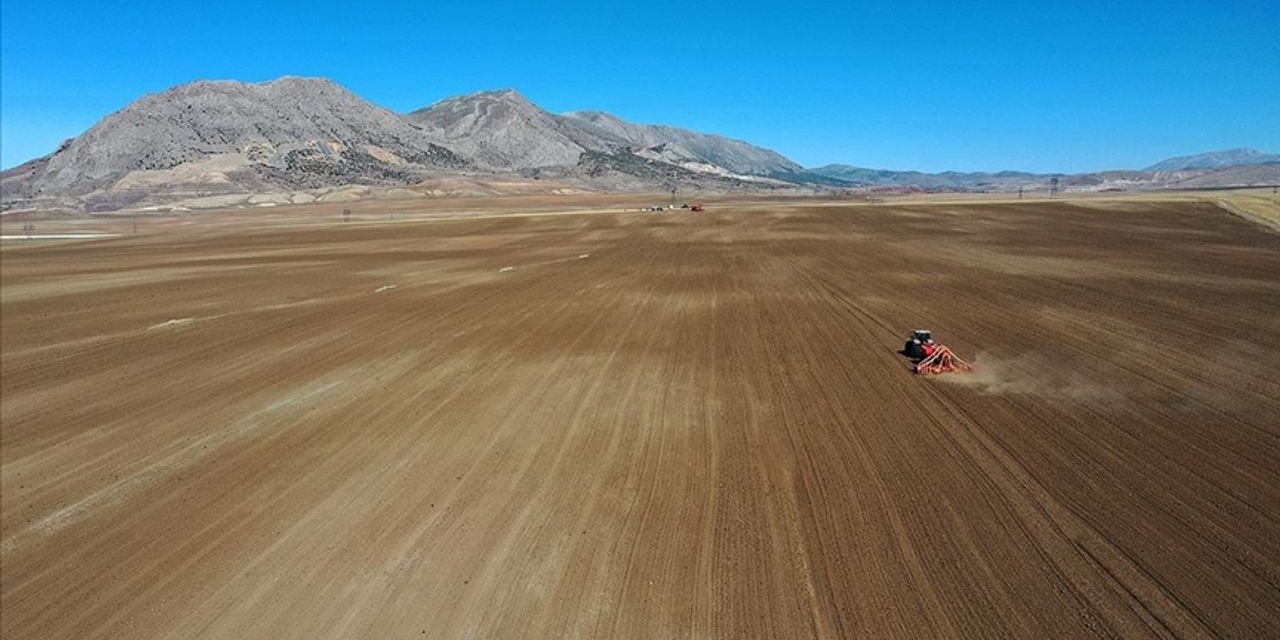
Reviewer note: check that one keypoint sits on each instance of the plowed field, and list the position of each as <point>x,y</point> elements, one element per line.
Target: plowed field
<point>647,426</point>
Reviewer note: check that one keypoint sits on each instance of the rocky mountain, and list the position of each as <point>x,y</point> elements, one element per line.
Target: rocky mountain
<point>1216,160</point>
<point>297,139</point>
<point>503,130</point>
<point>684,146</point>
<point>207,138</point>
<point>294,140</point>
<point>500,130</point>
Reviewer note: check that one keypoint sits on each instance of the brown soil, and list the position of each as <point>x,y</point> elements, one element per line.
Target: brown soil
<point>701,429</point>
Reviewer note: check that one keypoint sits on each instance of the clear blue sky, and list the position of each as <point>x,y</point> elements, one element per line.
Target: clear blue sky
<point>1066,86</point>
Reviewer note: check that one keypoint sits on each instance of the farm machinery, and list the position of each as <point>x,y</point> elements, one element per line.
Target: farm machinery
<point>929,357</point>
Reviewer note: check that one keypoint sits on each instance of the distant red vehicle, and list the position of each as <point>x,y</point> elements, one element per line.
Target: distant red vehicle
<point>928,356</point>
<point>698,207</point>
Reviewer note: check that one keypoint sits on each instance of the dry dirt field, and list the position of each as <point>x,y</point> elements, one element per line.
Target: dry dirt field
<point>646,426</point>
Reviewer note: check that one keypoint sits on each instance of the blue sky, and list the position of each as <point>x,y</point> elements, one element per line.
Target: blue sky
<point>1067,86</point>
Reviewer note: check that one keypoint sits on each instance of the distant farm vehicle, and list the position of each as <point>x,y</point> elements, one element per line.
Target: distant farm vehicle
<point>698,207</point>
<point>929,357</point>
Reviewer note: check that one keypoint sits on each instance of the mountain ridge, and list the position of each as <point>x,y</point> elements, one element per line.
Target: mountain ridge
<point>218,136</point>
<point>297,139</point>
<point>210,138</point>
<point>508,131</point>
<point>1215,169</point>
<point>1240,156</point>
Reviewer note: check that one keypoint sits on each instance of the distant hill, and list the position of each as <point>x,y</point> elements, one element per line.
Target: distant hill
<point>1216,160</point>
<point>943,181</point>
<point>1255,174</point>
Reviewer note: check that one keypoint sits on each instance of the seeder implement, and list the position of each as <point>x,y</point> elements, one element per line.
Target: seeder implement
<point>942,361</point>
<point>930,357</point>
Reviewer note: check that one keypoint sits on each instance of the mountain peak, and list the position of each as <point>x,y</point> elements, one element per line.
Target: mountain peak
<point>507,100</point>
<point>283,82</point>
<point>289,131</point>
<point>501,128</point>
<point>503,94</point>
<point>302,80</point>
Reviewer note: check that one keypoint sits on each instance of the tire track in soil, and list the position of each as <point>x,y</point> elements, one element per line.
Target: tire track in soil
<point>1059,529</point>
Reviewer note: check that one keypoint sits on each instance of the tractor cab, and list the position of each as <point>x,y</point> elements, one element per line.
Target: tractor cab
<point>929,357</point>
<point>919,345</point>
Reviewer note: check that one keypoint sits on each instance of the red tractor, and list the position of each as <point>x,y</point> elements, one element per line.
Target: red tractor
<point>928,356</point>
<point>698,207</point>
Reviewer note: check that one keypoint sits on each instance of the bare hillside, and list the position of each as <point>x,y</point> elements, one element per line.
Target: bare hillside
<point>504,130</point>
<point>214,137</point>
